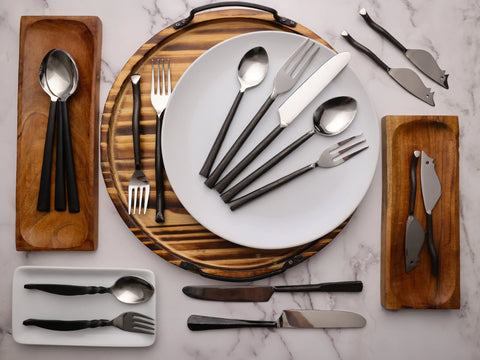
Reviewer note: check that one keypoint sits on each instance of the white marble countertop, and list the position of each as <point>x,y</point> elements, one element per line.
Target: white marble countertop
<point>448,29</point>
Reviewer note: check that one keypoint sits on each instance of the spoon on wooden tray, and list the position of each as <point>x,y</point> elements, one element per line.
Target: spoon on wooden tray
<point>127,289</point>
<point>329,119</point>
<point>252,69</point>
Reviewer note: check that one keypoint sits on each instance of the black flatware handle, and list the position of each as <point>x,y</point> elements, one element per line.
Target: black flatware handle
<point>199,322</point>
<point>68,290</point>
<point>379,29</point>
<point>160,190</point>
<point>413,181</point>
<point>215,175</point>
<point>136,119</point>
<point>72,190</point>
<point>60,195</point>
<point>66,325</point>
<point>341,286</point>
<point>365,50</point>
<point>212,154</point>
<point>262,145</point>
<point>234,190</point>
<point>236,203</point>
<point>431,246</point>
<point>43,202</point>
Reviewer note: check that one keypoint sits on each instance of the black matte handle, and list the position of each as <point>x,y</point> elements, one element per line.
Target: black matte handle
<point>212,155</point>
<point>66,325</point>
<point>236,203</point>
<point>159,186</point>
<point>72,191</point>
<point>60,195</point>
<point>365,50</point>
<point>413,181</point>
<point>234,190</point>
<point>431,246</point>
<point>136,119</point>
<point>215,175</point>
<point>232,175</point>
<point>280,19</point>
<point>199,322</point>
<point>341,286</point>
<point>381,30</point>
<point>43,202</point>
<point>68,290</point>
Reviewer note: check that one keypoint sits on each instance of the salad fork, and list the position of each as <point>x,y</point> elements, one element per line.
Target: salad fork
<point>128,321</point>
<point>330,157</point>
<point>159,98</point>
<point>139,186</point>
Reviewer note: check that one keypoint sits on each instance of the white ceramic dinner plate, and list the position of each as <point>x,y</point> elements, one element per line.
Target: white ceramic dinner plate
<point>37,304</point>
<point>299,212</point>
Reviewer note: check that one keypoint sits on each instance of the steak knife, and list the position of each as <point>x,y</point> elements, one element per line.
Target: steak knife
<point>321,319</point>
<point>414,233</point>
<point>422,59</point>
<point>264,293</point>
<point>431,192</point>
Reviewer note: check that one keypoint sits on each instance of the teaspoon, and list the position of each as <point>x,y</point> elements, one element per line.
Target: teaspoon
<point>330,118</point>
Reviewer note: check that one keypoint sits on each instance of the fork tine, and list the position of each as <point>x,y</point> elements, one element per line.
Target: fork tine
<point>300,59</point>
<point>152,90</point>
<point>129,200</point>
<point>300,49</point>
<point>349,156</point>
<point>169,78</point>
<point>163,77</point>
<point>147,194</point>
<point>135,314</point>
<point>306,62</point>
<point>344,150</point>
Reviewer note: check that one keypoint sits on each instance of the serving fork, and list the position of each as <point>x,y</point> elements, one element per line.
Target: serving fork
<point>139,186</point>
<point>332,156</point>
<point>285,79</point>
<point>159,98</point>
<point>128,321</point>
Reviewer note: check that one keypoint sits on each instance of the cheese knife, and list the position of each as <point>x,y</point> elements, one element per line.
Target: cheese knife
<point>407,78</point>
<point>431,192</point>
<point>264,293</point>
<point>414,233</point>
<point>322,319</point>
<point>422,59</point>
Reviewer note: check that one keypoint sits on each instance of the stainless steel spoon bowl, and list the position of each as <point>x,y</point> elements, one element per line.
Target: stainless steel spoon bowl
<point>61,74</point>
<point>252,69</point>
<point>127,289</point>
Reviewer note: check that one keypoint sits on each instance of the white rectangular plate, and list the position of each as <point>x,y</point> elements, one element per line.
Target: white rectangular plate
<point>41,305</point>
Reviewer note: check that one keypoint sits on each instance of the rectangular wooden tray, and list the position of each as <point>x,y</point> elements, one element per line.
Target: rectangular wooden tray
<point>81,37</point>
<point>438,137</point>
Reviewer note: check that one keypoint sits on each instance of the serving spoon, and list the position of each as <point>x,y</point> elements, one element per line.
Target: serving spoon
<point>252,69</point>
<point>61,76</point>
<point>329,119</point>
<point>127,289</point>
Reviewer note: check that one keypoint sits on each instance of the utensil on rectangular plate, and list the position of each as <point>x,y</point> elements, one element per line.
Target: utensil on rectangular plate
<point>330,157</point>
<point>252,69</point>
<point>264,293</point>
<point>414,233</point>
<point>431,192</point>
<point>159,99</point>
<point>321,319</point>
<point>286,78</point>
<point>407,78</point>
<point>290,110</point>
<point>422,59</point>
<point>139,186</point>
<point>128,321</point>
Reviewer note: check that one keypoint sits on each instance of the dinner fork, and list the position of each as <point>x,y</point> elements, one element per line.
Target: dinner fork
<point>128,321</point>
<point>286,77</point>
<point>330,157</point>
<point>139,186</point>
<point>159,98</point>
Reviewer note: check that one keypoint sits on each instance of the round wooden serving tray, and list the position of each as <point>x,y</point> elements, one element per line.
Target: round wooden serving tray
<point>181,240</point>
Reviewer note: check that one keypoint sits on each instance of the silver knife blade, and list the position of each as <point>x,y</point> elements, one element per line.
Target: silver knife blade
<point>320,319</point>
<point>311,87</point>
<point>424,61</point>
<point>412,83</point>
<point>431,186</point>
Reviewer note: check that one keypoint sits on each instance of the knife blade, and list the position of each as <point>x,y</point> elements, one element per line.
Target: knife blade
<point>264,293</point>
<point>406,78</point>
<point>431,192</point>
<point>290,109</point>
<point>414,233</point>
<point>422,59</point>
<point>321,319</point>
